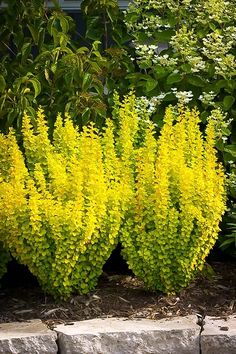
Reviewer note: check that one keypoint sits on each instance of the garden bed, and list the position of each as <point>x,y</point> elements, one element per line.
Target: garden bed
<point>122,295</point>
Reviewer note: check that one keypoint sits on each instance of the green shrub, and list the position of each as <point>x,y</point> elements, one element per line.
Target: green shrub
<point>185,51</point>
<point>46,62</point>
<point>177,199</point>
<point>186,45</point>
<point>227,239</point>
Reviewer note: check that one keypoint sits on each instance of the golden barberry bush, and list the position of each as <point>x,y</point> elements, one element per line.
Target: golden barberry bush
<point>12,195</point>
<point>177,201</point>
<point>64,206</point>
<point>60,209</point>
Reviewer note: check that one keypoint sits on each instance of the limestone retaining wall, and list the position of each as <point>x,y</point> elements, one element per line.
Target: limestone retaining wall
<point>179,335</point>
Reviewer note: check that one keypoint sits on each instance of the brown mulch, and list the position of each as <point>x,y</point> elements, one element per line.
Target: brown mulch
<point>125,296</point>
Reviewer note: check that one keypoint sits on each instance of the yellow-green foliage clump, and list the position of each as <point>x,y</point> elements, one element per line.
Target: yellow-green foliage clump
<point>63,207</point>
<point>60,209</point>
<point>178,202</point>
<point>12,194</point>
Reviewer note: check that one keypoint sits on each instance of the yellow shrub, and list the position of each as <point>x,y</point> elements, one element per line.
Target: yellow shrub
<point>63,208</point>
<point>61,215</point>
<point>179,199</point>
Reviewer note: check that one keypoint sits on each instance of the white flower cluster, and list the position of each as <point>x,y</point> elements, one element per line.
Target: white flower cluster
<point>184,97</point>
<point>145,107</point>
<point>230,34</point>
<point>207,98</point>
<point>232,178</point>
<point>153,5</point>
<point>221,123</point>
<point>215,46</point>
<point>150,53</point>
<point>166,61</point>
<point>214,10</point>
<point>149,15</point>
<point>184,42</point>
<point>149,24</point>
<point>146,20</point>
<point>197,64</point>
<point>162,96</point>
<point>159,5</point>
<point>187,3</point>
<point>146,52</point>
<point>226,66</point>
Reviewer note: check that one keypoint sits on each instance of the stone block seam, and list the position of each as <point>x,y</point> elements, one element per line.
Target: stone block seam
<point>183,335</point>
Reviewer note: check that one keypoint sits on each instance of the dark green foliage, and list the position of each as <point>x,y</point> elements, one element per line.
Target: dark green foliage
<point>42,65</point>
<point>4,259</point>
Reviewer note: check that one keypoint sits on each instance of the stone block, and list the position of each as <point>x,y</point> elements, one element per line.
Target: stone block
<point>179,335</point>
<point>31,337</point>
<point>219,335</point>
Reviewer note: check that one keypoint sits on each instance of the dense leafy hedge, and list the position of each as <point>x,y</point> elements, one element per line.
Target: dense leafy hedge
<point>45,61</point>
<point>178,199</point>
<point>187,51</point>
<point>169,51</point>
<point>63,207</point>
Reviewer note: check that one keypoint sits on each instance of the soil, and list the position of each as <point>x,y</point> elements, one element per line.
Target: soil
<point>122,295</point>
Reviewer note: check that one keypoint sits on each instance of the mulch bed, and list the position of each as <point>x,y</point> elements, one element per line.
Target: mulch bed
<point>124,296</point>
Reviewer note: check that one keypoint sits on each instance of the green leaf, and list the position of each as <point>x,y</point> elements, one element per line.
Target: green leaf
<point>11,116</point>
<point>221,84</point>
<point>203,116</point>
<point>196,81</point>
<point>226,131</point>
<point>100,110</point>
<point>220,145</point>
<point>64,24</point>
<point>231,149</point>
<point>173,78</point>
<point>186,68</point>
<point>2,84</point>
<point>135,76</point>
<point>131,17</point>
<point>41,38</point>
<point>211,70</point>
<point>228,157</point>
<point>160,72</point>
<point>34,33</point>
<point>170,97</point>
<point>87,80</point>
<point>151,84</point>
<point>25,51</point>
<point>94,29</point>
<point>165,36</point>
<point>231,85</point>
<point>145,64</point>
<point>99,87</point>
<point>37,86</point>
<point>228,242</point>
<point>212,26</point>
<point>228,102</point>
<point>85,116</point>
<point>142,37</point>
